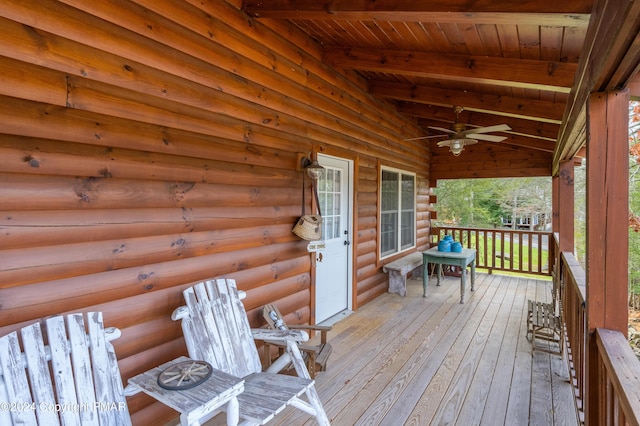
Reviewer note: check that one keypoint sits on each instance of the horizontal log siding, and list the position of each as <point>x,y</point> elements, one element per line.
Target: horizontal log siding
<point>485,160</point>
<point>148,144</point>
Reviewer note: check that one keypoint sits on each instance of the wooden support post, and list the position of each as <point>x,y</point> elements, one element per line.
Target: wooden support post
<point>563,209</point>
<point>607,230</point>
<point>563,206</point>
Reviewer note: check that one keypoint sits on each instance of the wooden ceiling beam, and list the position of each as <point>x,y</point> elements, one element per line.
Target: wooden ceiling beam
<point>525,142</point>
<point>527,109</point>
<point>523,73</point>
<point>519,126</point>
<point>566,13</point>
<point>606,49</point>
<point>624,64</point>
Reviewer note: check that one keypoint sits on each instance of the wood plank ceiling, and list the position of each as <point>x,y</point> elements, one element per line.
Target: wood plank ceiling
<point>503,61</point>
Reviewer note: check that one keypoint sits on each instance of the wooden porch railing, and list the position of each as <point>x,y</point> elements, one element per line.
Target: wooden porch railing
<point>574,315</point>
<point>528,252</point>
<point>614,371</point>
<point>617,375</point>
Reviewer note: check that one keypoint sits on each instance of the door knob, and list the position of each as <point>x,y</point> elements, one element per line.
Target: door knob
<point>346,243</point>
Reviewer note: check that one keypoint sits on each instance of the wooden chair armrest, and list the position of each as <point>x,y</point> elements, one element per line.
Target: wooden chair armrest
<point>323,329</point>
<point>279,345</point>
<point>279,335</point>
<point>310,327</point>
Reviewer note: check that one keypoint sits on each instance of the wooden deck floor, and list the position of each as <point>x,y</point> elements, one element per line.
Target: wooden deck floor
<point>431,361</point>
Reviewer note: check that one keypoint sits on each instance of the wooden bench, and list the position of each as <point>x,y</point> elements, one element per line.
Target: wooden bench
<point>399,269</point>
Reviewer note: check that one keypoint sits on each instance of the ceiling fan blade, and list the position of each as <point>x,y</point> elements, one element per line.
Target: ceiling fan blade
<point>489,129</point>
<point>489,138</point>
<point>441,129</point>
<point>425,137</point>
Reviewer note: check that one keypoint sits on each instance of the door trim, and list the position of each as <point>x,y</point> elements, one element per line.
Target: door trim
<point>350,236</point>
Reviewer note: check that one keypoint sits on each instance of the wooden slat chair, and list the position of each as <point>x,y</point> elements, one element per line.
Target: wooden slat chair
<point>86,387</point>
<point>544,324</point>
<point>216,329</point>
<point>544,321</point>
<point>316,356</point>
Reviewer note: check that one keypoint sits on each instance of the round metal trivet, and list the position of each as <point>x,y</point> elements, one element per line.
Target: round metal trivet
<point>184,375</point>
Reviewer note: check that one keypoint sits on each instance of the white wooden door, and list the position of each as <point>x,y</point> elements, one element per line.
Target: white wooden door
<point>334,263</point>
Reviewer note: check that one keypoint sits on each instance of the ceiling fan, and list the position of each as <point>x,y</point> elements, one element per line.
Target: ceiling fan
<point>461,137</point>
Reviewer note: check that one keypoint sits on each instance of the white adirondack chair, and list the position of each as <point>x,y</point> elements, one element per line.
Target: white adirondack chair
<point>86,388</point>
<point>217,330</point>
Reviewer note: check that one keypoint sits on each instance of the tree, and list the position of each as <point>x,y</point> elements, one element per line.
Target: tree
<point>485,203</point>
<point>634,198</point>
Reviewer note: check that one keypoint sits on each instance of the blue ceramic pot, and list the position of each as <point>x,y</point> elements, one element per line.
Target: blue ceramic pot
<point>456,247</point>
<point>444,246</point>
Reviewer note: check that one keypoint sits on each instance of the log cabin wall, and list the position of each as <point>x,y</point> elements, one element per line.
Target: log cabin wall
<point>149,144</point>
<point>490,161</point>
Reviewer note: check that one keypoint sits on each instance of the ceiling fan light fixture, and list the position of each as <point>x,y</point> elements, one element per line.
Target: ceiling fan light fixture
<point>457,146</point>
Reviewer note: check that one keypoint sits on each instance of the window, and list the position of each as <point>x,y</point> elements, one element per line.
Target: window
<point>397,211</point>
<point>329,187</point>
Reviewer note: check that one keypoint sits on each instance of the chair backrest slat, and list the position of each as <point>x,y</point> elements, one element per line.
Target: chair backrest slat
<point>81,363</point>
<point>38,372</point>
<point>110,399</point>
<point>16,385</point>
<point>61,364</point>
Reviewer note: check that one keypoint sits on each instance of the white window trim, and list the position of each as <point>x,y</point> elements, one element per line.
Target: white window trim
<point>415,212</point>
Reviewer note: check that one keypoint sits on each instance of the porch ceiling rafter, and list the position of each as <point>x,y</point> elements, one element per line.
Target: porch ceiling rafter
<point>507,106</point>
<point>553,76</point>
<point>551,13</point>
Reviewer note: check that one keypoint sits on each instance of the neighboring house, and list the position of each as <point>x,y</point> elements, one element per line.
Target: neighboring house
<point>530,222</point>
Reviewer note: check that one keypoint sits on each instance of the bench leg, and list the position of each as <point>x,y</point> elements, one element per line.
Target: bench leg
<point>397,283</point>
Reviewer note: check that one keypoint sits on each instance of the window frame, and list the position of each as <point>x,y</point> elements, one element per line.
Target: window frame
<point>398,248</point>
